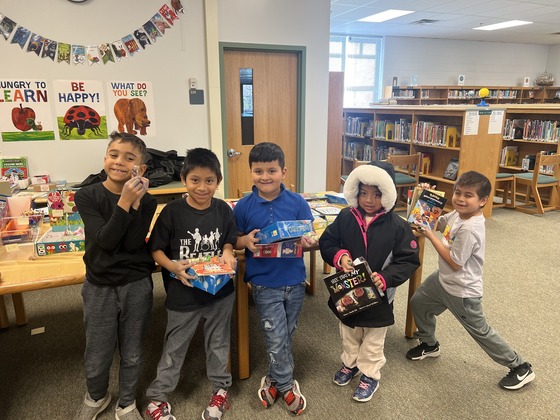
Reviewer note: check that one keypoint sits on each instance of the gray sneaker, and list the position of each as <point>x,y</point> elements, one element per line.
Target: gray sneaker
<point>90,409</point>
<point>128,413</point>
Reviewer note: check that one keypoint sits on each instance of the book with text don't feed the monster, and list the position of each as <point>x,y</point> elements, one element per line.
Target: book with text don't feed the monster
<point>354,291</point>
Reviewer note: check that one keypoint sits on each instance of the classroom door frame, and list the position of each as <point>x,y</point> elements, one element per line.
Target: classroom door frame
<point>300,52</point>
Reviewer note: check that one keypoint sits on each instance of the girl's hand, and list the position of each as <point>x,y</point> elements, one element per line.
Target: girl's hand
<point>346,264</point>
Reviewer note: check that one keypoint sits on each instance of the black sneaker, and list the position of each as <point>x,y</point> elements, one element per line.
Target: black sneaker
<point>423,350</point>
<point>518,377</point>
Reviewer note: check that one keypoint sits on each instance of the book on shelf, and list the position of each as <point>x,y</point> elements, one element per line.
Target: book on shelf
<point>509,156</point>
<point>352,292</point>
<point>427,161</point>
<point>427,209</point>
<point>452,169</point>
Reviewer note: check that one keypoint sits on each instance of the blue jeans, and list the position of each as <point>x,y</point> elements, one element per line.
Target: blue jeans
<point>279,310</point>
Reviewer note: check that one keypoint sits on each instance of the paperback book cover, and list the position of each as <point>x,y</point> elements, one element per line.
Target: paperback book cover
<point>352,292</point>
<point>427,209</point>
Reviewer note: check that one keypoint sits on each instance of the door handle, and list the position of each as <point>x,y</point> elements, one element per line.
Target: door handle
<point>232,152</point>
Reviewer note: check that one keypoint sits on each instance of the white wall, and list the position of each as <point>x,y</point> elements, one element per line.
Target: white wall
<point>553,62</point>
<point>168,64</point>
<point>291,22</point>
<point>440,61</point>
<point>177,56</point>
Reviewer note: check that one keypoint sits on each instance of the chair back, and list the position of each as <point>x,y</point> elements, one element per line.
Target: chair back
<point>409,164</point>
<point>546,165</point>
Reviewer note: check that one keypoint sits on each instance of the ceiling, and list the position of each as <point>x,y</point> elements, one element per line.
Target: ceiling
<point>454,19</point>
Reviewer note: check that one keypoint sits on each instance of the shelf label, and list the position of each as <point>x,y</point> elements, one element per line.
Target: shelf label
<point>496,122</point>
<point>472,119</point>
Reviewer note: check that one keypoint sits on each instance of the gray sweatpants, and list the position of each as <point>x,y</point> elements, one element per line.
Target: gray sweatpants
<point>430,300</point>
<point>181,327</point>
<point>115,315</point>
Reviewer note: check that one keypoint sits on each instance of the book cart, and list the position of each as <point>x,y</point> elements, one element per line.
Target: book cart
<point>441,133</point>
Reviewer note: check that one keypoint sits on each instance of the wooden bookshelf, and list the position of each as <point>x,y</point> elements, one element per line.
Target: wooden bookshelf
<point>468,95</point>
<point>412,129</point>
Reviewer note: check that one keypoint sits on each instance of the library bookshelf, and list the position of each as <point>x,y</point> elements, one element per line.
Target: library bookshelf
<point>441,133</point>
<point>468,95</point>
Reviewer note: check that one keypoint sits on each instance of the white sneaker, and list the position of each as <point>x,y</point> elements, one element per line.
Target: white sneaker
<point>90,409</point>
<point>128,413</point>
<point>159,411</point>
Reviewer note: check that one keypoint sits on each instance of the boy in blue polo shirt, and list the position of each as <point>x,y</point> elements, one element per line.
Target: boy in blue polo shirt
<point>278,284</point>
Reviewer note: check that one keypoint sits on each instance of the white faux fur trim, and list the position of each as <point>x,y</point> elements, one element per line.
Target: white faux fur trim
<point>370,175</point>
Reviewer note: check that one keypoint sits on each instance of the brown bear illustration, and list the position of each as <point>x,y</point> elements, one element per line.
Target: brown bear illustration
<point>131,113</point>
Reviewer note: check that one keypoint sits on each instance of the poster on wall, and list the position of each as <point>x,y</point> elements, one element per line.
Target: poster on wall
<point>131,107</point>
<point>25,110</point>
<point>80,109</point>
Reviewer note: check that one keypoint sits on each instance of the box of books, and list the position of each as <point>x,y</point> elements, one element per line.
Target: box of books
<point>288,229</point>
<point>290,248</point>
<point>211,275</point>
<point>353,292</point>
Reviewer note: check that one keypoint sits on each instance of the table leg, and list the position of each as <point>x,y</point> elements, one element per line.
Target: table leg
<point>19,308</point>
<point>413,284</point>
<point>3,313</point>
<point>242,308</point>
<point>310,285</point>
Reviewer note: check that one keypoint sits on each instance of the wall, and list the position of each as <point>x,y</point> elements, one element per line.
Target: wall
<point>168,64</point>
<point>177,56</point>
<point>553,62</point>
<point>440,61</point>
<point>291,22</point>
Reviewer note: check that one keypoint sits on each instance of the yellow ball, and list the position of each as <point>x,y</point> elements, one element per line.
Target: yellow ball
<point>483,93</point>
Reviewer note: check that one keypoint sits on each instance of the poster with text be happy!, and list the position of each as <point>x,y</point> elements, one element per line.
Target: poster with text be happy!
<point>80,109</point>
<point>25,111</point>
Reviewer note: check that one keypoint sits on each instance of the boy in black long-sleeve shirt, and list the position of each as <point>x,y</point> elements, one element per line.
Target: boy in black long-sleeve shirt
<point>117,293</point>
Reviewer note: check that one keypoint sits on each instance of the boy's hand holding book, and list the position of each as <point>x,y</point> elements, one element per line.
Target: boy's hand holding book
<point>248,241</point>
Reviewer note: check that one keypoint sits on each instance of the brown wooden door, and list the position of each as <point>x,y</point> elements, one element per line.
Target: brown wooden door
<point>275,111</point>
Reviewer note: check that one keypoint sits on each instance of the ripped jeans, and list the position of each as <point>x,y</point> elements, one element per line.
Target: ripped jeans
<point>279,310</point>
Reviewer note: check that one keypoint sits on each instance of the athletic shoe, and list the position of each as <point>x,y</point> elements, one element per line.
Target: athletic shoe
<point>158,410</point>
<point>423,350</point>
<point>268,392</point>
<point>518,377</point>
<point>218,404</point>
<point>90,409</point>
<point>128,413</point>
<point>345,375</point>
<point>366,389</point>
<point>295,400</point>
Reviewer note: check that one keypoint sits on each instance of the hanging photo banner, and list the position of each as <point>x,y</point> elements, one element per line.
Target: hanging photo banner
<point>131,107</point>
<point>7,26</point>
<point>63,55</point>
<point>25,111</point>
<point>21,36</point>
<point>78,54</point>
<point>80,109</point>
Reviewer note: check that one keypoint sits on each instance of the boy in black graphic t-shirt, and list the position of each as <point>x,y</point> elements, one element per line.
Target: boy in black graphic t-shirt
<point>195,226</point>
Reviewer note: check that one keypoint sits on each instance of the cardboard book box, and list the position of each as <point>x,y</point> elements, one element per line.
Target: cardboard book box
<point>210,275</point>
<point>279,231</point>
<point>352,292</point>
<point>290,248</point>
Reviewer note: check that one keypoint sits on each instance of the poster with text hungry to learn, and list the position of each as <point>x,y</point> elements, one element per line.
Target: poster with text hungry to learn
<point>25,110</point>
<point>131,108</point>
<point>80,109</point>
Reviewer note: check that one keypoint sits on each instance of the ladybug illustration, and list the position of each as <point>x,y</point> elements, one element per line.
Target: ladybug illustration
<point>81,117</point>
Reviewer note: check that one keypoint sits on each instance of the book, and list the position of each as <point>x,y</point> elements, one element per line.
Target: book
<point>211,268</point>
<point>211,275</point>
<point>452,169</point>
<point>427,209</point>
<point>352,292</point>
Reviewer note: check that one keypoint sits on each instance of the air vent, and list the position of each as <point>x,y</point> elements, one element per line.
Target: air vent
<point>425,22</point>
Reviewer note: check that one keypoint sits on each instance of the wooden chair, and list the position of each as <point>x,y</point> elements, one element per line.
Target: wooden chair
<point>407,175</point>
<point>537,180</point>
<point>506,181</point>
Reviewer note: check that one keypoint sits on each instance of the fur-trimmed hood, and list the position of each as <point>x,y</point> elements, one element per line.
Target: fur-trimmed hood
<point>376,173</point>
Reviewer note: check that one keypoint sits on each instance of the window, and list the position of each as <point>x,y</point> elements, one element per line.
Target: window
<point>360,60</point>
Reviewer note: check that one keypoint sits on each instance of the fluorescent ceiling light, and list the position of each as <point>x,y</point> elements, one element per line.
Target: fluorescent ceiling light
<point>508,24</point>
<point>386,15</point>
